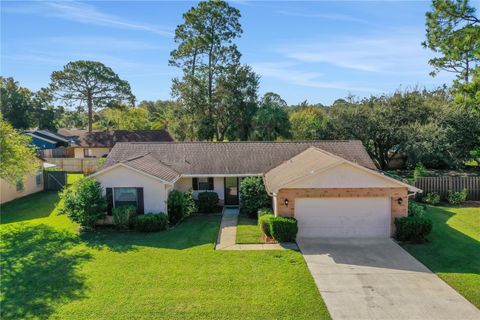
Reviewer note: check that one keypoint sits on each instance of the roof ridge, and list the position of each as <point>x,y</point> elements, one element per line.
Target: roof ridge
<point>238,142</point>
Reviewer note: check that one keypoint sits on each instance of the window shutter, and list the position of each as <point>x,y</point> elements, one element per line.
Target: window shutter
<point>195,183</point>
<point>140,203</point>
<point>210,183</point>
<point>109,193</point>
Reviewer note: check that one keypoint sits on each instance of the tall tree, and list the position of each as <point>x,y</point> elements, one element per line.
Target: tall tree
<point>16,104</point>
<point>92,83</point>
<point>271,119</point>
<point>205,52</point>
<point>17,156</point>
<point>453,32</point>
<point>307,122</point>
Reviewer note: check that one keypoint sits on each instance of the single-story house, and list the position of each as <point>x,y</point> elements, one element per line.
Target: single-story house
<point>30,184</point>
<point>332,188</point>
<point>97,144</point>
<point>46,139</point>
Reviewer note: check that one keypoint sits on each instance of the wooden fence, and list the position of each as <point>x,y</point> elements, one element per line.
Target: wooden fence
<point>85,165</point>
<point>56,153</point>
<point>442,185</point>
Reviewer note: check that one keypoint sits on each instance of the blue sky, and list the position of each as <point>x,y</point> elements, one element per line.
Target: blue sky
<point>315,51</point>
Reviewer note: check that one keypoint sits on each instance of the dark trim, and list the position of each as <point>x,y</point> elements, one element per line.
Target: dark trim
<point>109,195</point>
<point>195,184</point>
<point>210,184</point>
<point>140,201</point>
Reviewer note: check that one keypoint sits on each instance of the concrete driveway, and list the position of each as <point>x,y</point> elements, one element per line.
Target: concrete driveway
<point>377,279</point>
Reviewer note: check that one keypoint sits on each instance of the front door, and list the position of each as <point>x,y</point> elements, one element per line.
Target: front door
<point>231,191</point>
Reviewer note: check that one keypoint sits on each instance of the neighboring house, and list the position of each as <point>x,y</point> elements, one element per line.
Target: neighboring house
<point>45,139</point>
<point>332,187</point>
<point>30,184</point>
<point>97,144</point>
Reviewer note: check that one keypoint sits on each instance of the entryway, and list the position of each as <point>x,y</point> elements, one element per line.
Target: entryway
<point>231,191</point>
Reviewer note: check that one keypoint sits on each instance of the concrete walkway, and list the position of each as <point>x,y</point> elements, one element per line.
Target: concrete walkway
<point>227,235</point>
<point>376,279</point>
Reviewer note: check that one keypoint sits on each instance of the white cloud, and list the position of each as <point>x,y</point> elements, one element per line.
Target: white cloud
<point>389,53</point>
<point>327,16</point>
<point>84,13</point>
<point>290,73</point>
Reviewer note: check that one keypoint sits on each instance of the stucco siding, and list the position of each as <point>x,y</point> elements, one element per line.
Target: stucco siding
<point>154,191</point>
<point>185,183</point>
<point>9,191</point>
<point>343,176</point>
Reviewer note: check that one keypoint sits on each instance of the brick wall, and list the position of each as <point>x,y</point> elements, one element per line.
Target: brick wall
<point>398,210</point>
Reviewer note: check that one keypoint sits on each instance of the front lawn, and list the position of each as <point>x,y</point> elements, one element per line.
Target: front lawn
<point>50,271</point>
<point>453,250</point>
<point>248,231</point>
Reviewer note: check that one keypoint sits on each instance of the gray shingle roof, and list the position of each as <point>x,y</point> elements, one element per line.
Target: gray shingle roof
<point>232,157</point>
<point>152,166</point>
<point>83,138</point>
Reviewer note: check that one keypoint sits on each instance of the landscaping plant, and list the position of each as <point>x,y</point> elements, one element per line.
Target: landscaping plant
<point>150,222</point>
<point>457,198</point>
<point>207,202</point>
<point>264,216</point>
<point>415,209</point>
<point>176,205</point>
<point>432,198</point>
<point>83,202</point>
<point>283,229</point>
<point>413,228</point>
<point>190,205</point>
<point>122,216</point>
<point>253,196</point>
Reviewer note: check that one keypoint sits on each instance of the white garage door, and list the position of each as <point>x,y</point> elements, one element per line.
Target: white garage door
<point>343,217</point>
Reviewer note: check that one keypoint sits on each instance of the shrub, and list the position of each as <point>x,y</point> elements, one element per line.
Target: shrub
<point>176,206</point>
<point>253,196</point>
<point>419,171</point>
<point>414,228</point>
<point>83,202</point>
<point>264,211</point>
<point>283,229</point>
<point>122,216</point>
<point>264,223</point>
<point>150,222</point>
<point>190,205</point>
<point>457,197</point>
<point>207,202</point>
<point>432,198</point>
<point>415,209</point>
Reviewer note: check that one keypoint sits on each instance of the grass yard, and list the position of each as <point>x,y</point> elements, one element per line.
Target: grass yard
<point>453,251</point>
<point>248,231</point>
<point>72,177</point>
<point>50,271</point>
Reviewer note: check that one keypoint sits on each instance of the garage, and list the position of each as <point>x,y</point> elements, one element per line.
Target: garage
<point>343,217</point>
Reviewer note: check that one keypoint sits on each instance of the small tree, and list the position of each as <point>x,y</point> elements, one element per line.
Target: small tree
<point>176,206</point>
<point>84,203</point>
<point>253,196</point>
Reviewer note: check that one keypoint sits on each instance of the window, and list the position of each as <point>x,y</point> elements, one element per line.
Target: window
<point>202,184</point>
<point>125,197</point>
<point>38,177</point>
<point>20,185</point>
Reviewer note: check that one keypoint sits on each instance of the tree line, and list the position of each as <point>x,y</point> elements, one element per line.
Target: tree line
<point>216,97</point>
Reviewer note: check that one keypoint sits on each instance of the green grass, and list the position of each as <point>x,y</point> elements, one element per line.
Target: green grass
<point>248,231</point>
<point>453,250</point>
<point>51,271</point>
<point>72,177</point>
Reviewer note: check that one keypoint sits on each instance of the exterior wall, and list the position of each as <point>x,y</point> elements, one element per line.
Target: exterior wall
<point>344,176</point>
<point>8,192</point>
<point>397,210</point>
<point>185,183</point>
<point>154,191</point>
<point>96,152</point>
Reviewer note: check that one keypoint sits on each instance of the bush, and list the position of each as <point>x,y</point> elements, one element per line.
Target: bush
<point>414,228</point>
<point>122,216</point>
<point>432,198</point>
<point>176,205</point>
<point>415,209</point>
<point>264,216</point>
<point>207,202</point>
<point>253,196</point>
<point>190,205</point>
<point>283,229</point>
<point>419,171</point>
<point>150,222</point>
<point>83,202</point>
<point>457,197</point>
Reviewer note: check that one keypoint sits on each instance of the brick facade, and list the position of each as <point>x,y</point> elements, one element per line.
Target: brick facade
<point>397,210</point>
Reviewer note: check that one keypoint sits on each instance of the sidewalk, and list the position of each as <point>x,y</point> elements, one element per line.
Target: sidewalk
<point>228,234</point>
